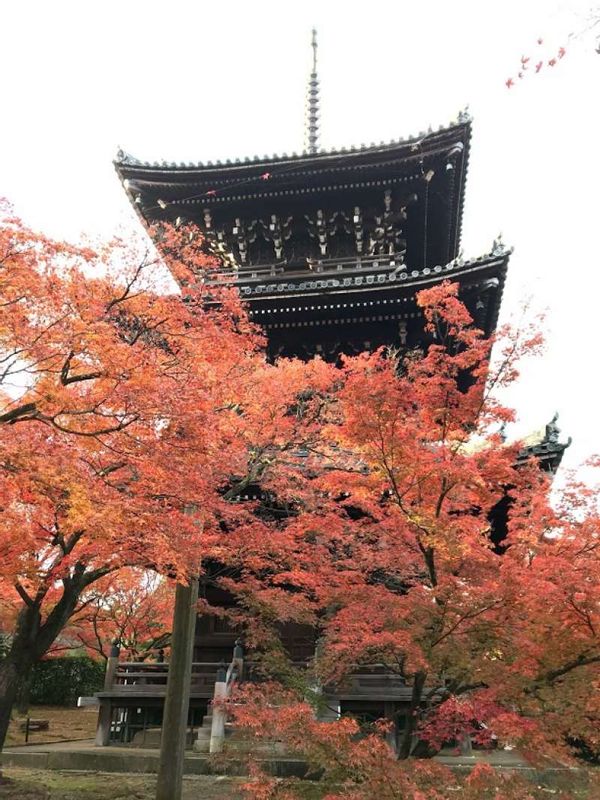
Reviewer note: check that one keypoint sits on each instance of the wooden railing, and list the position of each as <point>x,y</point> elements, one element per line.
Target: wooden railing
<point>214,681</point>
<point>141,677</point>
<point>133,677</point>
<point>342,265</point>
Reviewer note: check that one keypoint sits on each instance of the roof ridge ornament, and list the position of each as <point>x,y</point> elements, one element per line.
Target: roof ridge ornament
<point>552,431</point>
<point>123,157</point>
<point>498,246</point>
<point>552,434</point>
<point>312,110</point>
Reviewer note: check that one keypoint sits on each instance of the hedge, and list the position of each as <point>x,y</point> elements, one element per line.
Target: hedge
<point>60,681</point>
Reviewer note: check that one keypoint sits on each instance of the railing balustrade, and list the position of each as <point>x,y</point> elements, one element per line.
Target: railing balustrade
<point>150,677</point>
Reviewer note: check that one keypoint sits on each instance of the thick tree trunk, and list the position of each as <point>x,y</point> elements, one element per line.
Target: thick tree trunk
<point>23,699</point>
<point>412,717</point>
<point>9,685</point>
<point>17,664</point>
<point>31,641</point>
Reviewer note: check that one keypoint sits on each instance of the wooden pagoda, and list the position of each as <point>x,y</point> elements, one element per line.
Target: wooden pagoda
<point>329,249</point>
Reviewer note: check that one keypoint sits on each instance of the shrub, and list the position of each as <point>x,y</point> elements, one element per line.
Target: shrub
<point>60,681</point>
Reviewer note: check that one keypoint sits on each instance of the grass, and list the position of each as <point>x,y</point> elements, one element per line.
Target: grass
<point>65,724</point>
<point>27,784</point>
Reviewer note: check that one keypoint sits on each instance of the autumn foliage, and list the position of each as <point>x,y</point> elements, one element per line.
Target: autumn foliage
<point>390,554</point>
<point>144,432</point>
<point>132,607</point>
<point>122,443</point>
<point>351,764</point>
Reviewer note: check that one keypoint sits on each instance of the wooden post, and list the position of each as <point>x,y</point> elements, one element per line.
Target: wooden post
<point>217,728</point>
<point>237,663</point>
<point>105,711</point>
<point>177,700</point>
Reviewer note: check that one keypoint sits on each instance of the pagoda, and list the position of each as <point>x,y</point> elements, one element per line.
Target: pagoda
<point>329,249</point>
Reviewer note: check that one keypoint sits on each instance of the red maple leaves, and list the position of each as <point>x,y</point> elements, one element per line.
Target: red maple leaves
<point>400,574</point>
<point>357,501</point>
<point>524,64</point>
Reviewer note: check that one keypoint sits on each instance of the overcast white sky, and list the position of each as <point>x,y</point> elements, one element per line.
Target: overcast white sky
<point>193,80</point>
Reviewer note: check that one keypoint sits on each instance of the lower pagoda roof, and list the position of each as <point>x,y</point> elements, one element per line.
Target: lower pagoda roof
<point>545,446</point>
<point>349,307</point>
<point>371,282</point>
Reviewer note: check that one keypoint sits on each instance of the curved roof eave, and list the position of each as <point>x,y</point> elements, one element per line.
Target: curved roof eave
<point>458,131</point>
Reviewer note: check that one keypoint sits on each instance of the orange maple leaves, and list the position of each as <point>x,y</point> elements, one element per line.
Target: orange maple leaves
<point>147,430</point>
<point>549,59</point>
<point>395,560</point>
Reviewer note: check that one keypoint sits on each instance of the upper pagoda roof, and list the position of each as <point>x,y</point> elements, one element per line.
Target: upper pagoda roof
<point>410,191</point>
<point>445,134</point>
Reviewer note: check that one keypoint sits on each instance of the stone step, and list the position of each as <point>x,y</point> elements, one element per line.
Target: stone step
<point>202,742</point>
<point>123,759</point>
<point>243,744</point>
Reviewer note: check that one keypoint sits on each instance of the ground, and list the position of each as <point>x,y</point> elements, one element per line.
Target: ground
<point>24,784</point>
<point>66,724</point>
<point>69,724</point>
<point>29,784</point>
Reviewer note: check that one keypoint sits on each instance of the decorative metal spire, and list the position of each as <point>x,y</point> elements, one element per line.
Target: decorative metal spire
<point>312,108</point>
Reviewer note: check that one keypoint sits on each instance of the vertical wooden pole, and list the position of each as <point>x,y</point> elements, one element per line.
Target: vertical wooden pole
<point>105,710</point>
<point>177,699</point>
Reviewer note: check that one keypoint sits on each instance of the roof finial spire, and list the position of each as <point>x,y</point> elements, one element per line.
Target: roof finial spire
<point>312,111</point>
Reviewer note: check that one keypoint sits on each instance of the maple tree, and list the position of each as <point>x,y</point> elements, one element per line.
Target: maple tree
<point>542,55</point>
<point>150,432</point>
<point>390,554</point>
<point>351,764</point>
<point>122,442</point>
<point>132,608</point>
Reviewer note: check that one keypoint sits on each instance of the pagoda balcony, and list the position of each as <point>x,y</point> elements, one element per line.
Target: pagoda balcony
<point>141,679</point>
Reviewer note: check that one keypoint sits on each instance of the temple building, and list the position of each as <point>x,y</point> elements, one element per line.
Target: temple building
<point>329,249</point>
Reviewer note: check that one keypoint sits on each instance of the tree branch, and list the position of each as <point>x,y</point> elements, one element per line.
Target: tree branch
<point>26,410</point>
<point>23,594</point>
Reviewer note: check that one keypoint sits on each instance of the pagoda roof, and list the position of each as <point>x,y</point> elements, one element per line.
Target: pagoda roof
<point>375,284</point>
<point>445,134</point>
<point>167,191</point>
<point>330,248</point>
<point>545,446</point>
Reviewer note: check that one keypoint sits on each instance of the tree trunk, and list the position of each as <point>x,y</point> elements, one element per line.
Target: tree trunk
<point>23,699</point>
<point>9,685</point>
<point>17,664</point>
<point>177,700</point>
<point>412,718</point>
<point>31,641</point>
